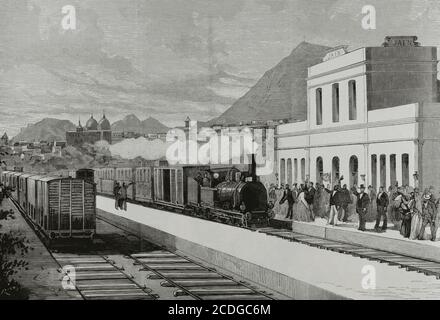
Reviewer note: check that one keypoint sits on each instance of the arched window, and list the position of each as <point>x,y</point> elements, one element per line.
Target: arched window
<point>289,172</point>
<point>374,171</point>
<point>405,170</point>
<point>283,171</point>
<point>295,170</point>
<point>319,169</point>
<point>383,170</point>
<point>303,170</point>
<point>335,102</point>
<point>354,171</point>
<point>319,106</point>
<point>335,170</point>
<point>352,111</point>
<point>393,169</point>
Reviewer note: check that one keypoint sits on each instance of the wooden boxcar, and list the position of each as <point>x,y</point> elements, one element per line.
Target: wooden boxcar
<point>63,207</point>
<point>143,184</point>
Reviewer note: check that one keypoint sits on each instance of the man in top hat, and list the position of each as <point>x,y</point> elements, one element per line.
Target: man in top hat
<point>335,204</point>
<point>382,203</point>
<point>429,214</point>
<point>362,204</point>
<point>290,196</point>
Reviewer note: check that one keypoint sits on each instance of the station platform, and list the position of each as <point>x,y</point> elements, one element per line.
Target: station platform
<point>292,269</point>
<point>42,280</point>
<point>391,240</point>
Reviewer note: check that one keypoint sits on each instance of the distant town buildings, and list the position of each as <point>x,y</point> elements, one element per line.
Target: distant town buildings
<point>93,132</point>
<point>4,140</point>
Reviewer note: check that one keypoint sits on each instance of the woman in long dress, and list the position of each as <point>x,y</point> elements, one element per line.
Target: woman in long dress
<point>303,212</point>
<point>403,206</point>
<point>278,208</point>
<point>417,219</point>
<point>319,201</point>
<point>392,211</point>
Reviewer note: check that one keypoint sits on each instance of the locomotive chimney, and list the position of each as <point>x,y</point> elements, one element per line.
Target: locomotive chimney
<point>253,168</point>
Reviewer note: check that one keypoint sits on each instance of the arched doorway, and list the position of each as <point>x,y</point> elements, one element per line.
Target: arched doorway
<point>319,169</point>
<point>335,170</point>
<point>354,171</point>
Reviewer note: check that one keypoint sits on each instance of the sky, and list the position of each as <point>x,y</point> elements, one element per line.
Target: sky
<point>170,59</point>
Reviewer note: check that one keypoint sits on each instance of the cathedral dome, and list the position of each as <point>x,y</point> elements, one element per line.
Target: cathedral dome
<point>92,124</point>
<point>104,124</point>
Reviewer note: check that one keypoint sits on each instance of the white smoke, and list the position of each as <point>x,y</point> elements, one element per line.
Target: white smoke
<point>140,147</point>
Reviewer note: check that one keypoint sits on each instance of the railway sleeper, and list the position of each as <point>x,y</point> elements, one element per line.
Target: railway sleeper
<point>164,261</point>
<point>153,255</point>
<point>185,276</point>
<point>217,291</point>
<point>112,291</point>
<point>120,296</point>
<point>201,283</point>
<point>78,262</point>
<point>99,276</point>
<point>188,267</point>
<point>104,286</point>
<point>95,268</point>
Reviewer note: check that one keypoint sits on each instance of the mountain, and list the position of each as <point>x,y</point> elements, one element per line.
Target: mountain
<point>131,123</point>
<point>282,91</point>
<point>47,129</point>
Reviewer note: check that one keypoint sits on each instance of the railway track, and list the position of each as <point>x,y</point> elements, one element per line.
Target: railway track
<point>192,279</point>
<point>96,277</point>
<point>93,276</point>
<point>427,267</point>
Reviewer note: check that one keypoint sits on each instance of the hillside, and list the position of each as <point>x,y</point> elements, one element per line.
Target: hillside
<point>282,91</point>
<point>47,129</point>
<point>131,123</point>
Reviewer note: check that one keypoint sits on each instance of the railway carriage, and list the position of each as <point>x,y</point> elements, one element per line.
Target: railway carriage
<point>143,180</point>
<point>105,180</point>
<point>63,207</point>
<point>59,207</point>
<point>22,189</point>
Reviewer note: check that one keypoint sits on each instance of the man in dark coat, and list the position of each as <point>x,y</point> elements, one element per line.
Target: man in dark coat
<point>116,194</point>
<point>310,197</point>
<point>335,204</point>
<point>346,200</point>
<point>290,196</point>
<point>382,203</point>
<point>124,196</point>
<point>362,204</point>
<point>429,214</point>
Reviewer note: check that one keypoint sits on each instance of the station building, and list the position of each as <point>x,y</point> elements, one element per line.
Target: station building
<point>372,116</point>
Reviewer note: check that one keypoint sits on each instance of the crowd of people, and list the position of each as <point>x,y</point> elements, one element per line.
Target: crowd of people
<point>409,210</point>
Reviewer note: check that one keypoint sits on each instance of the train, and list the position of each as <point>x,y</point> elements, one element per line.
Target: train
<point>220,193</point>
<point>58,207</point>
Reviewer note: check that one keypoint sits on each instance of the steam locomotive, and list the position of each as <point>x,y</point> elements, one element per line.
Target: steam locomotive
<point>224,194</point>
